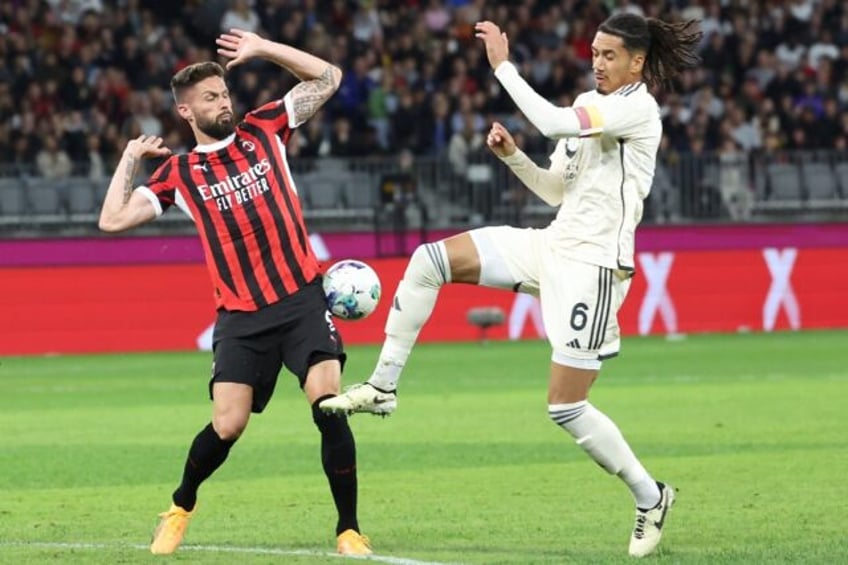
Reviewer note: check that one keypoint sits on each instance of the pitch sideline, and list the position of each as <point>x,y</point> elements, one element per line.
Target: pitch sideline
<point>224,549</point>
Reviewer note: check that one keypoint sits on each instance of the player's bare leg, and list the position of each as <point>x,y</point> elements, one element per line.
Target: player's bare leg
<point>601,439</point>
<point>432,265</point>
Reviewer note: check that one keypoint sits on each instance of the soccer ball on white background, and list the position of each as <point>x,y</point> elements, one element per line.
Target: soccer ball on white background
<point>352,289</point>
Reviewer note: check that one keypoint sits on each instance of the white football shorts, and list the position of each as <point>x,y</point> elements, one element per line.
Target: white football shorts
<point>579,301</point>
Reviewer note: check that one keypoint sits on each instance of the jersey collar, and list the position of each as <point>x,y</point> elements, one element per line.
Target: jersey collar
<point>210,147</point>
<point>628,88</point>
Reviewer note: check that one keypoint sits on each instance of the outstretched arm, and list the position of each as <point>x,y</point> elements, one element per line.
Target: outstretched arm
<point>123,208</point>
<point>552,121</point>
<point>320,79</point>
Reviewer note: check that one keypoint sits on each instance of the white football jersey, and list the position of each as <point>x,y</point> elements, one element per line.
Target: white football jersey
<point>608,171</point>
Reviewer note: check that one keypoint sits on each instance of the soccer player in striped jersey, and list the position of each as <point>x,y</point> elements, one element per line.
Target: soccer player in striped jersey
<point>581,264</point>
<point>237,187</point>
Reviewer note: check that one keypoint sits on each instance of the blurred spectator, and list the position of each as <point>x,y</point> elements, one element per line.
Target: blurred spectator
<point>142,119</point>
<point>405,122</point>
<point>436,16</point>
<point>823,47</point>
<point>52,162</point>
<point>400,186</point>
<point>240,16</point>
<point>94,165</point>
<point>312,138</point>
<point>790,52</point>
<point>463,143</point>
<point>352,96</point>
<point>346,141</point>
<point>414,72</point>
<point>437,129</point>
<point>733,181</point>
<point>366,27</point>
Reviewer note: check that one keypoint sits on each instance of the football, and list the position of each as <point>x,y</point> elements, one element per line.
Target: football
<point>352,289</point>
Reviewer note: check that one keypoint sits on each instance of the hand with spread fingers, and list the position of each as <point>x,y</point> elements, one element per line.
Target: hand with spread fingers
<point>497,44</point>
<point>147,146</point>
<point>239,46</point>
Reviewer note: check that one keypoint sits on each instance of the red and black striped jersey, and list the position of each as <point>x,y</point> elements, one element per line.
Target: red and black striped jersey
<point>242,197</point>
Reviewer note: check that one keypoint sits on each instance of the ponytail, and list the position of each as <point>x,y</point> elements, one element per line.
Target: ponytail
<point>673,49</point>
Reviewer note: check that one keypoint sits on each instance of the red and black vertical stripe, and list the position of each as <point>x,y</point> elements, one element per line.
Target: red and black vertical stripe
<point>160,176</point>
<point>273,114</point>
<point>237,253</point>
<point>206,225</point>
<point>264,232</point>
<point>285,209</point>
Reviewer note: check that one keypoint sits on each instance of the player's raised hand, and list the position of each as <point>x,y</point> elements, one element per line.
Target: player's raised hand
<point>500,141</point>
<point>145,146</point>
<point>239,46</point>
<point>497,44</point>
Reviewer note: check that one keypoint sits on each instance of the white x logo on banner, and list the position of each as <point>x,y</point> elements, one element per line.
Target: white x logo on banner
<point>524,306</point>
<point>780,294</point>
<point>657,298</point>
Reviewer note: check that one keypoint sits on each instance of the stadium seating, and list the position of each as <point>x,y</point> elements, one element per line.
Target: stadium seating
<point>784,188</point>
<point>841,172</point>
<point>320,193</point>
<point>12,201</point>
<point>820,185</point>
<point>360,191</point>
<point>81,197</point>
<point>46,199</point>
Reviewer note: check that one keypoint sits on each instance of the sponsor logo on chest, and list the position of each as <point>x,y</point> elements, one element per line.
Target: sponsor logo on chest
<point>239,188</point>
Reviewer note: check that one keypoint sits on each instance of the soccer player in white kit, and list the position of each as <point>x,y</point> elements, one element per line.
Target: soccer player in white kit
<point>582,263</point>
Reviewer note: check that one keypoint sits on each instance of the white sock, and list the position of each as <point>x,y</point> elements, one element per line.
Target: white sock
<point>427,271</point>
<point>602,440</point>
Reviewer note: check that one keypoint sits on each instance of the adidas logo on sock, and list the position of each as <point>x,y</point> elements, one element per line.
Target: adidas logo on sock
<point>573,343</point>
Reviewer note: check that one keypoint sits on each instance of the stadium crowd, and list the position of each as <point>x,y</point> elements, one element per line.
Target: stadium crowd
<point>80,77</point>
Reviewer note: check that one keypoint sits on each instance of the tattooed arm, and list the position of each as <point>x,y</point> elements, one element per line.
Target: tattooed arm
<point>123,208</point>
<point>307,97</point>
<point>320,78</point>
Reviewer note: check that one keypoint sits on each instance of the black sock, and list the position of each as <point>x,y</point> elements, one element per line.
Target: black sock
<point>338,456</point>
<point>208,451</point>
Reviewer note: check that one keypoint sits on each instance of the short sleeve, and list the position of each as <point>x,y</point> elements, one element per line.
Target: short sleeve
<point>274,117</point>
<point>160,188</point>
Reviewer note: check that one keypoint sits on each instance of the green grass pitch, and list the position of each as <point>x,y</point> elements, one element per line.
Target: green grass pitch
<point>750,428</point>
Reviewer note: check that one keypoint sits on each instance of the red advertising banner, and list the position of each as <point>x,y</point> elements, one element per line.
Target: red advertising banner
<point>169,307</point>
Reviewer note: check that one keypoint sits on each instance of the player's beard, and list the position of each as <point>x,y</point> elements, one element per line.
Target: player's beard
<point>219,128</point>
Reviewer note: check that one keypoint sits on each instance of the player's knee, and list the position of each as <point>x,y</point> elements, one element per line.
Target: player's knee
<point>330,424</point>
<point>429,265</point>
<point>229,427</point>
<point>565,415</point>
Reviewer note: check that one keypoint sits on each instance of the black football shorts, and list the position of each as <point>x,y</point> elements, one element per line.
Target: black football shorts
<point>252,347</point>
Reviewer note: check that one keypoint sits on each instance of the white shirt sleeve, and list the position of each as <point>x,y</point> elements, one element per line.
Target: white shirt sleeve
<point>617,115</point>
<point>181,204</point>
<point>624,115</point>
<point>552,121</point>
<point>287,100</point>
<point>546,184</point>
<point>154,200</point>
